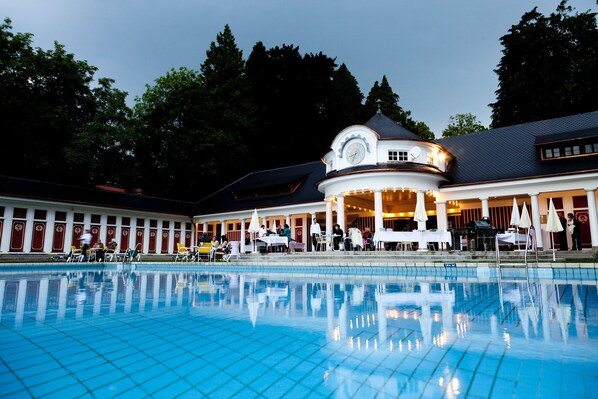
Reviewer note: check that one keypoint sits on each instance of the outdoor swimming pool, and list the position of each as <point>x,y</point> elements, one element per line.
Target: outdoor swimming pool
<point>173,331</point>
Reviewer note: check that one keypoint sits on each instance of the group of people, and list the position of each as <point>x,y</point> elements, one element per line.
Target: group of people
<point>354,239</point>
<point>281,232</point>
<point>571,226</point>
<point>100,249</point>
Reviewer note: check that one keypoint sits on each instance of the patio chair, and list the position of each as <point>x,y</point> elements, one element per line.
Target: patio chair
<point>133,254</point>
<point>75,255</point>
<point>111,254</point>
<point>183,253</point>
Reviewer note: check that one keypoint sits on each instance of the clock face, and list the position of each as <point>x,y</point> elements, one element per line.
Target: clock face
<point>355,153</point>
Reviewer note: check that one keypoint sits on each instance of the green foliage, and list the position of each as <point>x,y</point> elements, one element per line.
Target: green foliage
<point>549,67</point>
<point>381,96</point>
<point>461,124</point>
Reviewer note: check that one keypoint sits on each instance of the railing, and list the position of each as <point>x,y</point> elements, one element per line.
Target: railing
<point>530,242</point>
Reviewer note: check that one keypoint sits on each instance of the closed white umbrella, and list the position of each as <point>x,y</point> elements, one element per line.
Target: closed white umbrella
<point>420,217</point>
<point>254,227</point>
<point>515,219</point>
<point>420,210</point>
<point>525,221</point>
<point>553,225</point>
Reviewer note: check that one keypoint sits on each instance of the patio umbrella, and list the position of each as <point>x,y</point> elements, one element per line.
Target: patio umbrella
<point>273,227</point>
<point>525,222</point>
<point>420,216</point>
<point>553,225</point>
<point>420,210</point>
<point>515,220</point>
<point>254,227</point>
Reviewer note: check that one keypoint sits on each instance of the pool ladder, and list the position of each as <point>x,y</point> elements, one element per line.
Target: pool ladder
<point>530,241</point>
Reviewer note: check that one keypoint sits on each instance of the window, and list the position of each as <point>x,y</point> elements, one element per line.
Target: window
<point>548,153</point>
<point>394,155</point>
<point>568,151</point>
<point>39,214</point>
<point>576,150</point>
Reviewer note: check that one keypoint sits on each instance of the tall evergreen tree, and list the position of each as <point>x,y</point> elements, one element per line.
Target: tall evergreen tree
<point>382,96</point>
<point>549,67</point>
<point>346,107</point>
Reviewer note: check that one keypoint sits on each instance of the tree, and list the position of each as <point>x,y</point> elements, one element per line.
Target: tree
<point>549,67</point>
<point>461,124</point>
<point>346,107</point>
<point>176,154</point>
<point>382,96</point>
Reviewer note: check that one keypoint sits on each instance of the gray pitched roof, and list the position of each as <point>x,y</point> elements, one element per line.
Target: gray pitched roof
<point>302,177</point>
<point>509,153</point>
<point>389,129</point>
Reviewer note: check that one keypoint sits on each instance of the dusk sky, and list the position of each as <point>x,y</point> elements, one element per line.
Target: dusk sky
<point>438,55</point>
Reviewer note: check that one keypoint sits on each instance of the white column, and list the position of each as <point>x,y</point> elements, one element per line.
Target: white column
<point>593,214</point>
<point>68,231</point>
<point>329,220</point>
<point>28,230</point>
<point>441,215</point>
<point>485,209</point>
<point>118,232</point>
<point>242,238</point>
<point>103,228</point>
<point>159,237</point>
<point>340,212</point>
<point>205,228</point>
<point>222,228</point>
<point>50,218</point>
<point>536,220</point>
<point>378,219</point>
<point>86,221</point>
<point>171,237</point>
<point>146,235</point>
<point>6,229</point>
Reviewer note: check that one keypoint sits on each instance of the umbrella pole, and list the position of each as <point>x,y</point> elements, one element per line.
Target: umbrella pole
<point>552,243</point>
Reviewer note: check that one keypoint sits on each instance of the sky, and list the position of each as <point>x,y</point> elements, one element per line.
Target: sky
<point>439,56</point>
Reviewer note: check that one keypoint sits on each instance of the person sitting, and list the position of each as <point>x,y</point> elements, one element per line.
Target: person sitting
<point>368,239</point>
<point>262,232</point>
<point>338,236</point>
<point>221,248</point>
<point>111,249</point>
<point>214,246</point>
<point>356,238</point>
<point>204,238</point>
<point>99,251</point>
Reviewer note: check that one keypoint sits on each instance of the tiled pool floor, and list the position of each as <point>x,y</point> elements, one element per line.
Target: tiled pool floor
<point>184,335</point>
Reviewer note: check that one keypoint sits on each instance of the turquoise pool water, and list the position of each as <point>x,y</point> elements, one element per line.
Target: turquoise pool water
<point>163,332</point>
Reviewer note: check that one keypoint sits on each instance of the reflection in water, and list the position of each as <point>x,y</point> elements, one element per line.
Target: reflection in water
<point>399,318</point>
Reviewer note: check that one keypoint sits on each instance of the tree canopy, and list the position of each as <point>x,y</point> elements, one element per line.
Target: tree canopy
<point>461,124</point>
<point>192,131</point>
<point>549,67</point>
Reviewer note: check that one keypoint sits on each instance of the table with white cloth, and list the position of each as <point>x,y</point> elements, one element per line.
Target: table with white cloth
<point>274,240</point>
<point>439,237</point>
<point>512,238</point>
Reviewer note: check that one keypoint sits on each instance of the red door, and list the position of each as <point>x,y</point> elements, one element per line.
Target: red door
<point>584,228</point>
<point>152,241</point>
<point>17,237</point>
<point>124,239</point>
<point>39,234</point>
<point>77,233</point>
<point>95,234</point>
<point>139,239</point>
<point>188,239</point>
<point>165,235</point>
<point>58,240</point>
<point>176,238</point>
<point>110,234</point>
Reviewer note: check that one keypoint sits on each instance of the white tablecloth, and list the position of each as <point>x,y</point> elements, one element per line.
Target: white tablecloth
<point>274,240</point>
<point>512,238</point>
<point>413,236</point>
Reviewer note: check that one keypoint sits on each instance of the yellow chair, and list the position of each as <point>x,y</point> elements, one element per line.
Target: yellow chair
<point>182,253</point>
<point>204,251</point>
<point>75,255</point>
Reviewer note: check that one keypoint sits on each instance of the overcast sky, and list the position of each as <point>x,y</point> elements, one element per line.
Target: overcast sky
<point>438,55</point>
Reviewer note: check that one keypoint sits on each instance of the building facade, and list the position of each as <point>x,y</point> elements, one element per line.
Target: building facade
<point>373,176</point>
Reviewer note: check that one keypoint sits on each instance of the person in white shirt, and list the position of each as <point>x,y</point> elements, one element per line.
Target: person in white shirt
<point>263,232</point>
<point>85,242</point>
<point>315,231</point>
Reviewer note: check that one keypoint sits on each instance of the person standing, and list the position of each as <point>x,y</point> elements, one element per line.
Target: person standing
<point>563,234</point>
<point>85,242</point>
<point>573,227</point>
<point>315,231</point>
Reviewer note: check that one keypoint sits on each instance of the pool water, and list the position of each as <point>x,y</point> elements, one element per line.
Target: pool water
<point>138,333</point>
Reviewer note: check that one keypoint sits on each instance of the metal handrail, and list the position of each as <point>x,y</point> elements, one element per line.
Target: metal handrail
<point>530,240</point>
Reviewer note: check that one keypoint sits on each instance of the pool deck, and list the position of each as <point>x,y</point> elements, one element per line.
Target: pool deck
<point>586,259</point>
